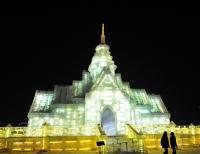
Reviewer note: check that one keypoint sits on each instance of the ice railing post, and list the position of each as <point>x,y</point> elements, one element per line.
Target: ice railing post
<point>7,135</point>
<point>45,142</point>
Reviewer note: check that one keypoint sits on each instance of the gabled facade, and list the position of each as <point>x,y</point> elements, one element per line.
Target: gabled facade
<point>101,97</point>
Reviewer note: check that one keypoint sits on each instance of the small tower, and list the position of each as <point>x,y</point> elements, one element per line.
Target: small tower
<point>101,59</point>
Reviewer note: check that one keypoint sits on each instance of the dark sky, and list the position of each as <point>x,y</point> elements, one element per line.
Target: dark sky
<point>154,49</point>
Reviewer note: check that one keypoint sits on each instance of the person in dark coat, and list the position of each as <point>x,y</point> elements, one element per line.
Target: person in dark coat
<point>173,142</point>
<point>165,142</point>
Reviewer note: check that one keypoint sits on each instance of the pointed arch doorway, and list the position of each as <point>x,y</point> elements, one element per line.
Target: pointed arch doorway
<point>108,122</point>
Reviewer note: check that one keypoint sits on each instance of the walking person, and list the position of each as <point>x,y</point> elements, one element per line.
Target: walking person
<point>165,142</point>
<point>173,142</point>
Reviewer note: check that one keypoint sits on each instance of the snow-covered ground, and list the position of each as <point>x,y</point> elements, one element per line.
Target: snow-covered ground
<point>179,151</point>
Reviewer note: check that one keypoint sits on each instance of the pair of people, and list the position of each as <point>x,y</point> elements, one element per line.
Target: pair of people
<point>165,142</point>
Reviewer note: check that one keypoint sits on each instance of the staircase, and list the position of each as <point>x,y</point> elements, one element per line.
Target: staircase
<point>129,143</point>
<point>122,144</point>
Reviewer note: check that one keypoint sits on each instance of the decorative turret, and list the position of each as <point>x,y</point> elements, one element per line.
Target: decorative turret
<point>101,58</point>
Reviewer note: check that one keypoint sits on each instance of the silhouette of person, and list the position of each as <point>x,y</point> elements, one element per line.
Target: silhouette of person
<point>173,142</point>
<point>165,142</point>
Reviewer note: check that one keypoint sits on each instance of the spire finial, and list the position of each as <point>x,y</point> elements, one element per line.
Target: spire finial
<point>102,35</point>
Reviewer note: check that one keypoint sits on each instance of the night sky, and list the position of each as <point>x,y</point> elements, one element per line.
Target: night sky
<point>154,49</point>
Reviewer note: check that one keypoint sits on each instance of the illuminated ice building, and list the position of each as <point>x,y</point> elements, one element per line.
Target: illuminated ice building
<point>100,107</point>
<point>101,97</point>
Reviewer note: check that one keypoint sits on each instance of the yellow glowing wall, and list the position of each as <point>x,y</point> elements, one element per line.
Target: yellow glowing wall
<point>50,143</point>
<point>186,136</point>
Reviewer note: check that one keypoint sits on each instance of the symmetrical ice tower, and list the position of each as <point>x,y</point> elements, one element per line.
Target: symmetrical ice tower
<point>101,97</point>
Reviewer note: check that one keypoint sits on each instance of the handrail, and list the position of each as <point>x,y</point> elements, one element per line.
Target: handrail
<point>131,132</point>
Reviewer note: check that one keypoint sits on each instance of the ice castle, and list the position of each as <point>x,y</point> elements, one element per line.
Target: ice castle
<point>101,97</point>
<point>100,108</point>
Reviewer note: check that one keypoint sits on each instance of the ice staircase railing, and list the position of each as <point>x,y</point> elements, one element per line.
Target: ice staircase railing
<point>136,138</point>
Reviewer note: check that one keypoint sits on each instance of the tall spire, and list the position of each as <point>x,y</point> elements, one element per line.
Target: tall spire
<point>103,41</point>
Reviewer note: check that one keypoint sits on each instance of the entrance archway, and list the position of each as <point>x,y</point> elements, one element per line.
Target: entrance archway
<point>108,122</point>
